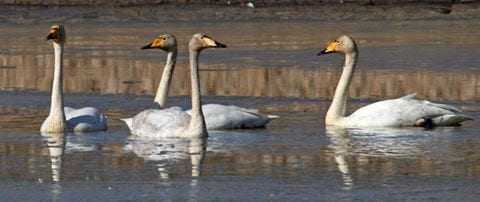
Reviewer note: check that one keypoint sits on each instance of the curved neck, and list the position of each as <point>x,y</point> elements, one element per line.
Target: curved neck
<point>162,91</point>
<point>197,121</point>
<point>337,108</point>
<point>56,105</point>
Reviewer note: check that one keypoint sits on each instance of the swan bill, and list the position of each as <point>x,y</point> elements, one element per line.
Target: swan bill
<point>332,47</point>
<point>324,52</point>
<point>220,45</point>
<point>50,36</point>
<point>212,43</point>
<point>148,46</point>
<point>56,33</point>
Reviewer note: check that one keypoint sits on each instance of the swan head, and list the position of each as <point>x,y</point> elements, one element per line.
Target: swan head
<point>166,42</point>
<point>343,44</point>
<point>201,41</point>
<point>57,34</point>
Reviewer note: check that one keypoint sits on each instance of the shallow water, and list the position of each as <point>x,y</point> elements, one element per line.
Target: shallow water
<point>269,65</point>
<point>294,159</point>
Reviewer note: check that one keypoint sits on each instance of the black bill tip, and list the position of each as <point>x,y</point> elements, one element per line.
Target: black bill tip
<point>323,52</point>
<point>148,46</point>
<point>220,45</point>
<point>50,36</point>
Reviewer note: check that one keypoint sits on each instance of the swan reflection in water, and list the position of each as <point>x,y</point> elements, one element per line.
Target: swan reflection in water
<point>354,147</point>
<point>59,144</point>
<point>165,151</point>
<point>56,148</point>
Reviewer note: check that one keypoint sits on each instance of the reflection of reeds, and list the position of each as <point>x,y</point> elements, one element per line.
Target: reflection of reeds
<point>114,75</point>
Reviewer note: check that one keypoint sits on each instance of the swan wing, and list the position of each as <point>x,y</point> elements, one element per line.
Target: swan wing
<point>405,111</point>
<point>85,119</point>
<point>160,122</point>
<point>128,122</point>
<point>409,96</point>
<point>221,117</point>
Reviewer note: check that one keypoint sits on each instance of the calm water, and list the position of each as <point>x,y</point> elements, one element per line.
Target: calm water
<point>294,158</point>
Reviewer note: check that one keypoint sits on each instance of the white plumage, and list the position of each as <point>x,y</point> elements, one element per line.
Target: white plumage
<point>170,122</point>
<point>174,122</point>
<point>221,117</point>
<point>405,111</point>
<point>60,118</point>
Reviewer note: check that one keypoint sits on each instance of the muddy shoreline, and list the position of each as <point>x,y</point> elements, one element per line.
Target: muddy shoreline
<point>226,2</point>
<point>214,13</point>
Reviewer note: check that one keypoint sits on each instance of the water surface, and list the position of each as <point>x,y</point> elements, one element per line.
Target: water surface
<point>270,65</point>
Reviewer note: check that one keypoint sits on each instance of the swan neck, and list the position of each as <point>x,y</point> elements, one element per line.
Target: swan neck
<point>337,108</point>
<point>197,122</point>
<point>56,105</point>
<point>162,91</point>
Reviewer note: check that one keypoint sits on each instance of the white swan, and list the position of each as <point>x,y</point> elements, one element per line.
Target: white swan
<point>217,116</point>
<point>62,119</point>
<point>173,121</point>
<point>404,111</point>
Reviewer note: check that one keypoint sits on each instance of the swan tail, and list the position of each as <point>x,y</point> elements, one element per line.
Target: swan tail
<point>409,96</point>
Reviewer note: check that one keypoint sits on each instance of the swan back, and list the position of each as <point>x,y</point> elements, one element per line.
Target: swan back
<point>220,117</point>
<point>404,111</point>
<point>85,119</point>
<point>170,122</point>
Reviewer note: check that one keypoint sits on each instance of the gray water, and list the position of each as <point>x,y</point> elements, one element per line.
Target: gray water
<point>269,65</point>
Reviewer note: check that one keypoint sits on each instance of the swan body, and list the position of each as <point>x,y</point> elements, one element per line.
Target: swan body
<point>226,117</point>
<point>86,119</point>
<point>404,111</point>
<point>170,122</point>
<point>60,118</point>
<point>401,112</point>
<point>222,117</point>
<point>217,117</point>
<point>174,122</point>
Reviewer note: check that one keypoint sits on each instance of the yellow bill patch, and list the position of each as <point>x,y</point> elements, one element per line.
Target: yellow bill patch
<point>209,41</point>
<point>331,47</point>
<point>157,43</point>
